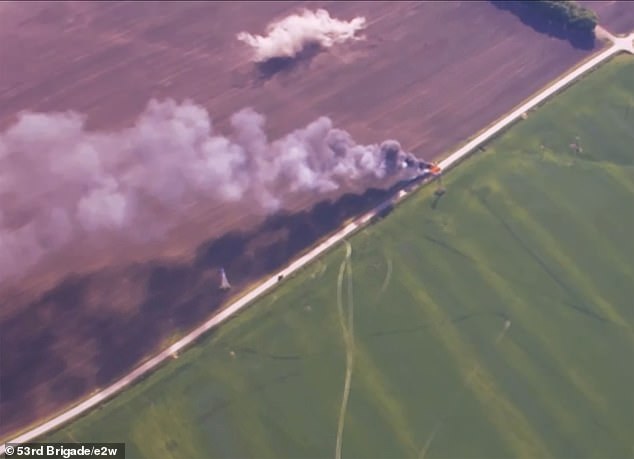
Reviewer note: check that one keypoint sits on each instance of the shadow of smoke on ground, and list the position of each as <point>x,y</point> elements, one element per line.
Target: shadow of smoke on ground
<point>266,70</point>
<point>579,39</point>
<point>72,340</point>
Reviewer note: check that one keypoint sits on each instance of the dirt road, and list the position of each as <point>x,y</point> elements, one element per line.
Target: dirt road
<point>618,45</point>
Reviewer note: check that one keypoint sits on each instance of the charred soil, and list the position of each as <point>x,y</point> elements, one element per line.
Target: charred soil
<point>429,74</point>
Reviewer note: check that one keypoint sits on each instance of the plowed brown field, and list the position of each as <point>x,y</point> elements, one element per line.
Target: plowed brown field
<point>615,15</point>
<point>428,74</point>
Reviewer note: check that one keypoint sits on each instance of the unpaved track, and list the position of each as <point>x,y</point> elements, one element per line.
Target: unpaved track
<point>619,45</point>
<point>347,330</point>
<point>428,74</point>
<point>458,397</point>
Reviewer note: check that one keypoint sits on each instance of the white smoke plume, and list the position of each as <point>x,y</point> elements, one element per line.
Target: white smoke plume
<point>59,181</point>
<point>287,37</point>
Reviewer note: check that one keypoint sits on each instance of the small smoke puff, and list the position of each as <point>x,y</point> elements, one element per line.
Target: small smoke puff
<point>287,37</point>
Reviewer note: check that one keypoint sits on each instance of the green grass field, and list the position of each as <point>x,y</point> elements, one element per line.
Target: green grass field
<point>494,322</point>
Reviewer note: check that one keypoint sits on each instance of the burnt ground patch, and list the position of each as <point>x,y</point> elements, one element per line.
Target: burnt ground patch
<point>41,370</point>
<point>429,74</point>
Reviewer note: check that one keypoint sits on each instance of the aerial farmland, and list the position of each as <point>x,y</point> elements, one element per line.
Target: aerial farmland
<point>525,359</point>
<point>488,315</point>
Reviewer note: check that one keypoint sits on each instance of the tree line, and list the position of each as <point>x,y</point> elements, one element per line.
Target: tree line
<point>567,13</point>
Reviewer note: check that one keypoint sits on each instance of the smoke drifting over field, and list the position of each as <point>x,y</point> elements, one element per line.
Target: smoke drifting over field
<point>59,181</point>
<point>287,37</point>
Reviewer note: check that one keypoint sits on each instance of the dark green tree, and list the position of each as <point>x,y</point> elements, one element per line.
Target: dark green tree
<point>565,12</point>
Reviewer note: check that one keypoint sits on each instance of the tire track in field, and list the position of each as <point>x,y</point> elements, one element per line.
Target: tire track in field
<point>347,330</point>
<point>578,302</point>
<point>544,341</point>
<point>388,276</point>
<point>320,269</point>
<point>500,410</point>
<point>586,287</point>
<point>459,396</point>
<point>616,253</point>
